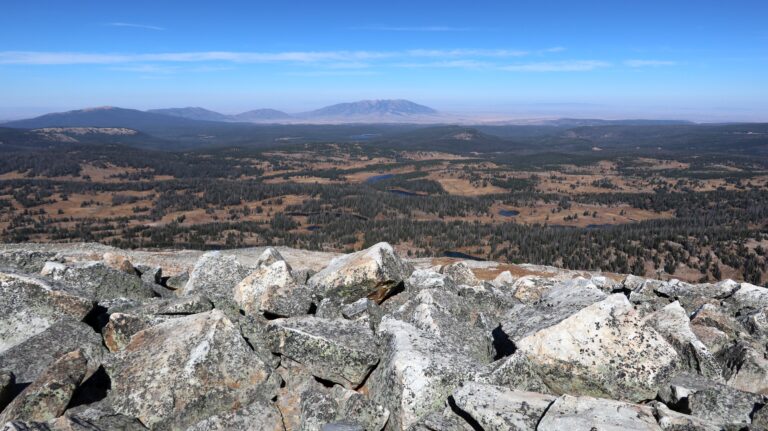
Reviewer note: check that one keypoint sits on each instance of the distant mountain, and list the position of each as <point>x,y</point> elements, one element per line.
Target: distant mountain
<point>374,110</point>
<point>192,113</point>
<point>104,117</point>
<point>261,115</point>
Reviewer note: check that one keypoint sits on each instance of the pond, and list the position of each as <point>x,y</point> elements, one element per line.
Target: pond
<point>460,255</point>
<point>313,228</point>
<point>509,213</point>
<point>377,178</point>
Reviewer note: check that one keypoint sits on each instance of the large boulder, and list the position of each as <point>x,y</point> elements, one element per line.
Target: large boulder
<point>30,358</point>
<point>587,414</point>
<point>29,305</point>
<point>341,351</point>
<point>553,306</point>
<point>673,324</point>
<point>497,408</point>
<point>272,289</point>
<point>177,373</point>
<point>417,373</point>
<point>374,273</point>
<point>96,280</point>
<point>602,350</point>
<point>711,401</point>
<point>215,275</point>
<point>48,396</point>
<point>7,384</point>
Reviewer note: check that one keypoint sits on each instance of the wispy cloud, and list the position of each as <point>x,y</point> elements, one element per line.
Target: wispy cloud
<point>426,28</point>
<point>134,25</point>
<point>649,63</point>
<point>558,66</point>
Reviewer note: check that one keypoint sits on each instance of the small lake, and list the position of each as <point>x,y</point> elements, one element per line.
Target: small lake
<point>377,178</point>
<point>313,228</point>
<point>509,213</point>
<point>460,255</point>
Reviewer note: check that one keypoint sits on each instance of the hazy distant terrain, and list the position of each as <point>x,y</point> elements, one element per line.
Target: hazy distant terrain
<point>663,199</point>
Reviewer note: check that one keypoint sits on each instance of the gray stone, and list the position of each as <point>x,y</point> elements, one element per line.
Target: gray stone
<point>96,280</point>
<point>341,351</point>
<point>587,413</point>
<point>673,324</point>
<point>48,396</point>
<point>29,305</point>
<point>30,358</point>
<point>180,372</point>
<point>96,417</point>
<point>555,305</point>
<point>497,408</point>
<point>215,275</point>
<point>711,401</point>
<point>417,373</point>
<point>27,261</point>
<point>374,273</point>
<point>670,420</point>
<point>445,420</point>
<point>257,416</point>
<point>602,350</point>
<point>516,372</point>
<point>272,289</point>
<point>460,273</point>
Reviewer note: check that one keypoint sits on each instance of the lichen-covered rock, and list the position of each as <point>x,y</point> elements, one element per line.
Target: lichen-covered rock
<point>497,408</point>
<point>341,351</point>
<point>670,420</point>
<point>191,304</point>
<point>118,331</point>
<point>587,413</point>
<point>29,359</point>
<point>448,316</point>
<point>515,372</point>
<point>272,289</point>
<point>269,256</point>
<point>746,367</point>
<point>118,262</point>
<point>48,396</point>
<point>445,420</point>
<point>27,261</point>
<point>711,401</point>
<point>417,373</point>
<point>460,273</point>
<point>95,417</point>
<point>602,350</point>
<point>25,426</point>
<point>96,280</point>
<point>428,279</point>
<point>215,275</point>
<point>372,273</point>
<point>554,305</point>
<point>30,305</point>
<point>257,416</point>
<point>673,324</point>
<point>180,372</point>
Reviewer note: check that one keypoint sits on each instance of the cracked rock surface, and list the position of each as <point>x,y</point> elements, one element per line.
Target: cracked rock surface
<point>276,339</point>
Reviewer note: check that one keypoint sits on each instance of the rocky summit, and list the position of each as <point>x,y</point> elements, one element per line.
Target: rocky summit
<point>277,339</point>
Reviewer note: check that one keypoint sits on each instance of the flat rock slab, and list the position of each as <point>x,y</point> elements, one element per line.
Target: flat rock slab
<point>497,408</point>
<point>338,350</point>
<point>30,358</point>
<point>602,350</point>
<point>587,414</point>
<point>177,373</point>
<point>29,305</point>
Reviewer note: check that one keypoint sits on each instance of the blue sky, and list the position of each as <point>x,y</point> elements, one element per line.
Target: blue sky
<point>704,60</point>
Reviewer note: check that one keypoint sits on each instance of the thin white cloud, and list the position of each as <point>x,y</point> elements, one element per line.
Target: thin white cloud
<point>449,64</point>
<point>558,66</point>
<point>499,53</point>
<point>134,25</point>
<point>649,63</point>
<point>428,28</point>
